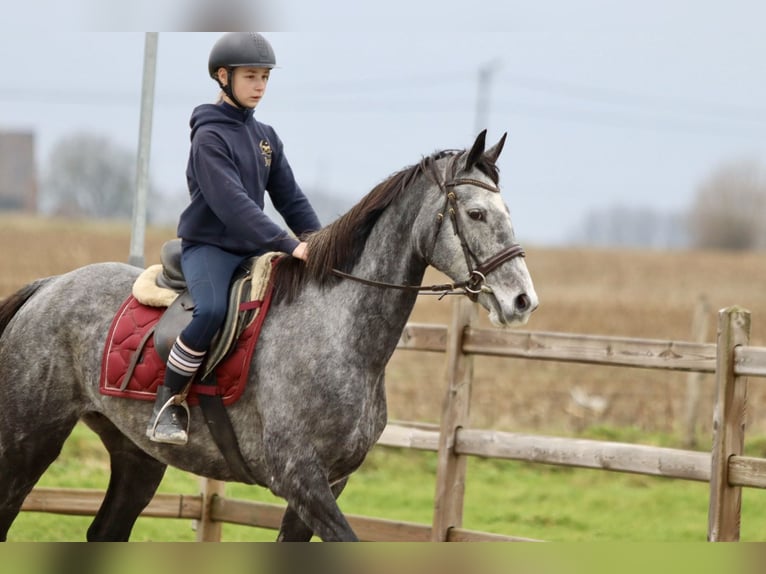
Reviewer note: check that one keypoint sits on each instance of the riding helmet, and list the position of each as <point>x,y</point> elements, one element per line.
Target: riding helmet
<point>236,49</point>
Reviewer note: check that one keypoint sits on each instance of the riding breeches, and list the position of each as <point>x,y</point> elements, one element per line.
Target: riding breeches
<point>208,271</point>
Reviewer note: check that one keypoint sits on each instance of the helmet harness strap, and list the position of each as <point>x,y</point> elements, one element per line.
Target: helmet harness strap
<point>228,88</point>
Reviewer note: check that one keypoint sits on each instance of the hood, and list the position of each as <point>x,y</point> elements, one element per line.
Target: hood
<point>220,113</point>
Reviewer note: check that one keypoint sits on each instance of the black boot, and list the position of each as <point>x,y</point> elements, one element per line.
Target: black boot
<point>170,420</point>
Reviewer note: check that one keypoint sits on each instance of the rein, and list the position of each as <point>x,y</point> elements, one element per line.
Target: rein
<point>477,275</point>
<point>437,289</point>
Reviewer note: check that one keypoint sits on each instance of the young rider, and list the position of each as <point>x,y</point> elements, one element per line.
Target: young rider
<point>234,159</point>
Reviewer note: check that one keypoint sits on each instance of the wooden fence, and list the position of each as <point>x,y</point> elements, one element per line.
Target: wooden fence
<point>731,359</point>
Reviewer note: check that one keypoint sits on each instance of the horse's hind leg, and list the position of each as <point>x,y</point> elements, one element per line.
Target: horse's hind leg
<point>25,454</point>
<point>293,529</point>
<point>134,480</point>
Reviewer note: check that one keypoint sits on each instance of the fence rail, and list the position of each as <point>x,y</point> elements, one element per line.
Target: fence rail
<point>731,359</point>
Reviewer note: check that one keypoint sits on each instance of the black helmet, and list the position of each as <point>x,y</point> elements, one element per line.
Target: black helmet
<point>235,49</point>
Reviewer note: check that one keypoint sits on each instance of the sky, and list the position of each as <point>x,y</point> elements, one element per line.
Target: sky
<point>605,103</point>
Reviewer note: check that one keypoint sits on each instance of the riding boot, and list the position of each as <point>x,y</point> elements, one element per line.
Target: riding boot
<point>169,422</point>
<point>170,418</point>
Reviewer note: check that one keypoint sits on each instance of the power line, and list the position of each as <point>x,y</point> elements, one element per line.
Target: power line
<point>612,119</point>
<point>568,101</point>
<point>386,86</point>
<point>624,98</point>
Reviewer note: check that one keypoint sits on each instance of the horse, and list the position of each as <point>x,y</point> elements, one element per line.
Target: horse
<point>315,403</point>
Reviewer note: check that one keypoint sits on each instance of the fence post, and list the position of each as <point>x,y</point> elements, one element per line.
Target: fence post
<point>209,530</point>
<point>694,378</point>
<point>451,467</point>
<point>728,426</point>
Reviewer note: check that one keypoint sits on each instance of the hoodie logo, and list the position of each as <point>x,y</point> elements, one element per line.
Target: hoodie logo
<point>266,152</point>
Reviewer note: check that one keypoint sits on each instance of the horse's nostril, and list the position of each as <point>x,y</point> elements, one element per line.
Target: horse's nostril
<point>523,302</point>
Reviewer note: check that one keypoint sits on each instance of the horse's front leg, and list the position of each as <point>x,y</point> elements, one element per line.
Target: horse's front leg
<point>311,500</point>
<point>293,529</point>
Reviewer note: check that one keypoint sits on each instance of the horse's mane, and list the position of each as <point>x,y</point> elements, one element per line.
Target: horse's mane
<point>339,245</point>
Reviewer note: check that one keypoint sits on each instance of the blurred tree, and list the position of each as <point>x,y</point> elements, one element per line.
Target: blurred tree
<point>89,176</point>
<point>627,226</point>
<point>729,209</point>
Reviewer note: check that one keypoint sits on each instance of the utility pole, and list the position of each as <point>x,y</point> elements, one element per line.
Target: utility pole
<point>138,229</point>
<point>486,71</point>
<point>451,466</point>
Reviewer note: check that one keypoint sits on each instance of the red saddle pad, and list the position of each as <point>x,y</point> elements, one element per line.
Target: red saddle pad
<point>128,328</point>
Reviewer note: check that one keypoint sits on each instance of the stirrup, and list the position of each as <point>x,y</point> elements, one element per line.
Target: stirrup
<point>174,400</point>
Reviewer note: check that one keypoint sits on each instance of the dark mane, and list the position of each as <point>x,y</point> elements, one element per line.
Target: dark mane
<point>339,245</point>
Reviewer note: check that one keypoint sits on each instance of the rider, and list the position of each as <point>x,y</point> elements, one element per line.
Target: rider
<point>234,159</point>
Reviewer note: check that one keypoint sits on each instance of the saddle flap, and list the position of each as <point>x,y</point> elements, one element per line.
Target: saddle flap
<point>179,314</point>
<point>235,322</point>
<point>246,293</point>
<point>174,320</point>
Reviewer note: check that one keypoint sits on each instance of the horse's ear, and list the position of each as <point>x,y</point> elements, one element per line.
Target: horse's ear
<point>476,150</point>
<point>494,152</point>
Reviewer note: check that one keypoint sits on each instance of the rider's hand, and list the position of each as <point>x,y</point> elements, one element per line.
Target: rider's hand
<point>302,251</point>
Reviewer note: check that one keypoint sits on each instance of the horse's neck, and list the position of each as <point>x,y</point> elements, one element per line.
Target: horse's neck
<point>389,256</point>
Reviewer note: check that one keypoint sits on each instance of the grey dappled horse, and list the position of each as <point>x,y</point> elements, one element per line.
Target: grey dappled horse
<point>315,400</point>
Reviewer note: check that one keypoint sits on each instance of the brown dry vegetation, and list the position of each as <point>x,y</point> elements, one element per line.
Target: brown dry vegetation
<point>647,294</point>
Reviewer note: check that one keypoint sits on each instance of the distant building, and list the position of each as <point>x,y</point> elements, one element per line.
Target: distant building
<point>18,175</point>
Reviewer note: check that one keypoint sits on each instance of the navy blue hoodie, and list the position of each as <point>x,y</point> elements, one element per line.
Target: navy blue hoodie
<point>233,161</point>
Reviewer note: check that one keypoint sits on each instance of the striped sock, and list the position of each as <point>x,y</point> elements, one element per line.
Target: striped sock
<point>184,360</point>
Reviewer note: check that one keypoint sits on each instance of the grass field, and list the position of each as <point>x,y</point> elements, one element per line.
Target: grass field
<point>612,292</point>
<point>533,501</point>
<point>514,498</point>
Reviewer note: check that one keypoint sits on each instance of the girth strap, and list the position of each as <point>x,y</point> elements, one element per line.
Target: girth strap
<point>221,429</point>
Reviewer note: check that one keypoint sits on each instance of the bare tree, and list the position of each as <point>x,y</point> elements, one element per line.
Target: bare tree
<point>88,175</point>
<point>624,226</point>
<point>729,210</point>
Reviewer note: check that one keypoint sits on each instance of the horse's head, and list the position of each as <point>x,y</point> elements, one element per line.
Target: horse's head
<point>474,236</point>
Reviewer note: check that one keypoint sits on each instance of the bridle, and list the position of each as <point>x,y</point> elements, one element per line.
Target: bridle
<point>477,272</point>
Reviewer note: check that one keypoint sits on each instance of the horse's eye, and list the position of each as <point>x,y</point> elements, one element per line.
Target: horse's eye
<point>476,214</point>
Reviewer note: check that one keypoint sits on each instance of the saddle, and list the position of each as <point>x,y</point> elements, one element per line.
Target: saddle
<point>163,285</point>
<point>244,303</point>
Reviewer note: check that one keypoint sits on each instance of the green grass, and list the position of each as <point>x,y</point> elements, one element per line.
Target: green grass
<point>507,497</point>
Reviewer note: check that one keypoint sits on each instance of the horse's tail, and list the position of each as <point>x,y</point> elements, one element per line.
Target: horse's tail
<point>10,305</point>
